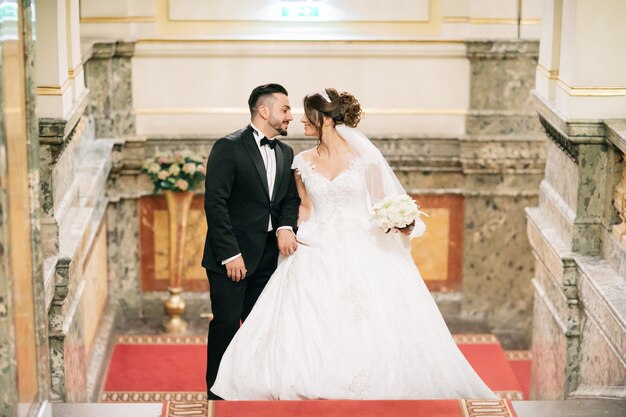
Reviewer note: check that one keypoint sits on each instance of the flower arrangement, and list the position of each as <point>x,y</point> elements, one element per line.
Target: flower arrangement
<point>175,171</point>
<point>395,212</point>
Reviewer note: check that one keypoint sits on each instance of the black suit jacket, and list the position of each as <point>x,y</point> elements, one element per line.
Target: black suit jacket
<point>237,202</point>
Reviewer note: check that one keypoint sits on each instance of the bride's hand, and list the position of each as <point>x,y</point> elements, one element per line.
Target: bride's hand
<point>287,243</point>
<point>406,230</point>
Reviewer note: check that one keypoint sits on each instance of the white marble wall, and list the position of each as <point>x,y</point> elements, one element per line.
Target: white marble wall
<point>202,88</point>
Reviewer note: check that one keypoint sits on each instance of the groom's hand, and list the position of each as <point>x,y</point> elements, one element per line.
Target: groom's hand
<point>236,269</point>
<point>287,242</point>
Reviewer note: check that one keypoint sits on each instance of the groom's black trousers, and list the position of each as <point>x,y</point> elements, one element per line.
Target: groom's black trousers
<point>231,303</point>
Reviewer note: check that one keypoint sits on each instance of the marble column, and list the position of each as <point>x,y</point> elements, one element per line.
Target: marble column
<point>109,77</point>
<point>502,157</point>
<point>24,361</point>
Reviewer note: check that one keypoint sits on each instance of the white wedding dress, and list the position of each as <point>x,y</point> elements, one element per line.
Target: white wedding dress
<point>347,316</point>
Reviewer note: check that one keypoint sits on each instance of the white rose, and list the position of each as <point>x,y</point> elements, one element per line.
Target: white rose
<point>174,170</point>
<point>154,168</point>
<point>189,168</point>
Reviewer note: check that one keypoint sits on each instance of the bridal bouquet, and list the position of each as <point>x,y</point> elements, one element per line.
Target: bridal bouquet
<point>175,171</point>
<point>395,212</point>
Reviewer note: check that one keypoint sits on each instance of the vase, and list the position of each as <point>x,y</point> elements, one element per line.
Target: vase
<point>178,204</point>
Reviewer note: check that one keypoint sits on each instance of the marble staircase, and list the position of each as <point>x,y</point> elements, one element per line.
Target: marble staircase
<point>74,237</point>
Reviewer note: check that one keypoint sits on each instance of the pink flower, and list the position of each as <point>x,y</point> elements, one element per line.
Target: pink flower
<point>189,168</point>
<point>163,175</point>
<point>182,184</point>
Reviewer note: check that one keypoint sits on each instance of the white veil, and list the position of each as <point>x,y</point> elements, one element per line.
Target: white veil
<point>381,180</point>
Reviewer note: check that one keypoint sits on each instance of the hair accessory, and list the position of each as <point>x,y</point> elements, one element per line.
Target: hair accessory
<point>324,95</point>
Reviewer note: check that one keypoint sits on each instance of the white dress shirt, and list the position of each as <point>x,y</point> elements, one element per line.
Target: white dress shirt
<point>269,160</point>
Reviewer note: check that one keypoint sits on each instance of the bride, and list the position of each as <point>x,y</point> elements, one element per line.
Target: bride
<point>348,315</point>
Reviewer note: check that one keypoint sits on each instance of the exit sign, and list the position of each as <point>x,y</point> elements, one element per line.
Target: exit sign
<point>300,9</point>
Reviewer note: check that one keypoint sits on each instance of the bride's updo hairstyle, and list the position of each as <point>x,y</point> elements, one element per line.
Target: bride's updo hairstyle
<point>344,108</point>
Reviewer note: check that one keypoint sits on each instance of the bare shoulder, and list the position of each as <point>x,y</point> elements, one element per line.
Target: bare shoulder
<point>309,155</point>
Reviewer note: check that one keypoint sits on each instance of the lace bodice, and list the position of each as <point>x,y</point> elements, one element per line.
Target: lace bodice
<point>339,202</point>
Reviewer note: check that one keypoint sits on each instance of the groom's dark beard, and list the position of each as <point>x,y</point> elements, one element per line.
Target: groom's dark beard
<point>278,129</point>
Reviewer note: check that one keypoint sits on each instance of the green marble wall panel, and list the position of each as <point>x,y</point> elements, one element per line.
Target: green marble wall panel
<point>562,174</point>
<point>123,119</point>
<point>68,357</point>
<point>109,78</point>
<point>124,253</point>
<point>592,194</point>
<point>502,74</point>
<point>494,122</point>
<point>498,265</point>
<point>512,79</point>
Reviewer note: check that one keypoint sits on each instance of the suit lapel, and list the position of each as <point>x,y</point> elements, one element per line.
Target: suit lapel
<point>255,156</point>
<point>280,168</point>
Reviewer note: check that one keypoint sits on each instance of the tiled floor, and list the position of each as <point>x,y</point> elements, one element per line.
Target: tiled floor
<point>571,408</point>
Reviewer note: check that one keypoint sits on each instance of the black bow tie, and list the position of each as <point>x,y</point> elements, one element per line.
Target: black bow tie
<point>270,143</point>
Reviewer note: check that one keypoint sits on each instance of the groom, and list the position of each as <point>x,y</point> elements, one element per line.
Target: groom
<point>251,206</point>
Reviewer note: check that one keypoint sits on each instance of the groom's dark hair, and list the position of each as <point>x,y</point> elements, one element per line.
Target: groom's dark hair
<point>261,91</point>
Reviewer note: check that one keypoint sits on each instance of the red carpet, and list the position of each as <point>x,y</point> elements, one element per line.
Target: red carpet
<point>489,361</point>
<point>329,408</point>
<point>520,362</point>
<point>171,368</point>
<point>156,368</point>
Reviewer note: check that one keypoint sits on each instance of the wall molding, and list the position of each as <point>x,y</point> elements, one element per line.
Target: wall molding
<point>560,140</point>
